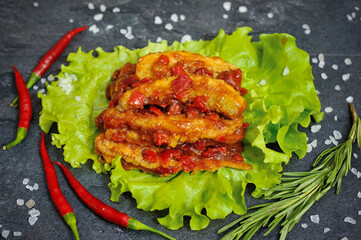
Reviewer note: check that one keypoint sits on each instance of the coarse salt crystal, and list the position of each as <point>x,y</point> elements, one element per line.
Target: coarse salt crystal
<point>103,8</point>
<point>324,76</point>
<point>304,225</point>
<point>34,212</point>
<point>348,61</point>
<point>98,17</point>
<point>321,64</point>
<point>225,16</point>
<point>357,8</point>
<point>17,234</point>
<point>334,66</point>
<point>168,26</point>
<point>242,9</point>
<point>353,14</point>
<point>337,134</point>
<point>93,28</point>
<point>321,57</point>
<point>305,26</point>
<point>315,218</point>
<point>359,194</point>
<point>346,76</point>
<point>315,128</point>
<point>35,87</point>
<point>116,10</point>
<point>309,148</point>
<point>262,82</point>
<point>358,175</point>
<point>5,233</point>
<point>328,142</point>
<point>349,99</point>
<point>108,27</point>
<point>30,203</point>
<point>42,80</point>
<point>20,202</point>
<point>71,20</point>
<point>335,142</point>
<point>286,71</point>
<point>227,6</point>
<point>337,87</point>
<point>123,31</point>
<point>359,212</point>
<point>314,143</point>
<point>307,31</point>
<point>130,36</point>
<point>157,20</point>
<point>29,187</point>
<point>186,38</point>
<point>26,181</point>
<point>32,220</point>
<point>335,118</point>
<point>159,39</point>
<point>314,60</point>
<point>91,6</point>
<point>36,4</point>
<point>355,155</point>
<point>354,170</point>
<point>36,186</point>
<point>349,17</point>
<point>350,220</point>
<point>174,17</point>
<point>318,92</point>
<point>328,109</point>
<point>51,78</point>
<point>270,15</point>
<point>182,17</point>
<point>326,230</point>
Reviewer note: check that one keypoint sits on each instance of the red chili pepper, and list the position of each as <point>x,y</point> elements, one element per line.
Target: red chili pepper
<point>25,110</point>
<point>56,194</point>
<point>106,212</point>
<point>47,60</point>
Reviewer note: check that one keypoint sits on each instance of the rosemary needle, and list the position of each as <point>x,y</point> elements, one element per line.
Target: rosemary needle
<point>298,191</point>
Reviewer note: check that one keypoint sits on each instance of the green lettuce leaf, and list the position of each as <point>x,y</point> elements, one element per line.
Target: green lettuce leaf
<point>281,97</point>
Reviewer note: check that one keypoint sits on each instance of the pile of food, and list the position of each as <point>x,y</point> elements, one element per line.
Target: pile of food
<point>174,111</point>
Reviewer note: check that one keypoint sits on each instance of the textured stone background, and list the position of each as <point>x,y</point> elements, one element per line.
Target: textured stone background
<point>27,32</point>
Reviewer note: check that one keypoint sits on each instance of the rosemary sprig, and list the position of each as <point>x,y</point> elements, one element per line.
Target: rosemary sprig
<point>299,190</point>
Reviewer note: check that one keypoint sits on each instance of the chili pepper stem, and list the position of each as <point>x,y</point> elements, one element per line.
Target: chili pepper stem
<point>32,80</point>
<point>21,134</point>
<point>137,225</point>
<point>70,219</point>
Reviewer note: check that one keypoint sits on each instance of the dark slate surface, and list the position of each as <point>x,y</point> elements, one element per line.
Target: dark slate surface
<point>27,32</point>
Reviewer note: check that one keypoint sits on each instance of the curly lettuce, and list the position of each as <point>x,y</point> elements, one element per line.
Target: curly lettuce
<point>281,97</point>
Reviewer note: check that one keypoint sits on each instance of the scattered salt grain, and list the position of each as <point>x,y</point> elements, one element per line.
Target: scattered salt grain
<point>116,10</point>
<point>93,28</point>
<point>32,220</point>
<point>353,14</point>
<point>227,6</point>
<point>108,27</point>
<point>123,31</point>
<point>315,218</point>
<point>168,26</point>
<point>324,76</point>
<point>242,9</point>
<point>337,87</point>
<point>305,26</point>
<point>29,187</point>
<point>51,78</point>
<point>30,203</point>
<point>129,33</point>
<point>103,8</point>
<point>328,109</point>
<point>349,17</point>
<point>314,60</point>
<point>186,38</point>
<point>304,225</point>
<point>91,6</point>
<point>315,128</point>
<point>348,61</point>
<point>157,20</point>
<point>71,20</point>
<point>42,80</point>
<point>328,142</point>
<point>174,17</point>
<point>350,220</point>
<point>286,71</point>
<point>20,202</point>
<point>26,181</point>
<point>346,76</point>
<point>225,16</point>
<point>321,64</point>
<point>262,82</point>
<point>357,8</point>
<point>359,212</point>
<point>36,4</point>
<point>35,87</point>
<point>307,31</point>
<point>358,174</point>
<point>314,143</point>
<point>98,17</point>
<point>309,148</point>
<point>337,134</point>
<point>17,234</point>
<point>318,92</point>
<point>34,212</point>
<point>355,155</point>
<point>5,233</point>
<point>359,194</point>
<point>270,15</point>
<point>159,39</point>
<point>335,118</point>
<point>36,186</point>
<point>334,66</point>
<point>349,99</point>
<point>182,17</point>
<point>321,57</point>
<point>326,230</point>
<point>354,170</point>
